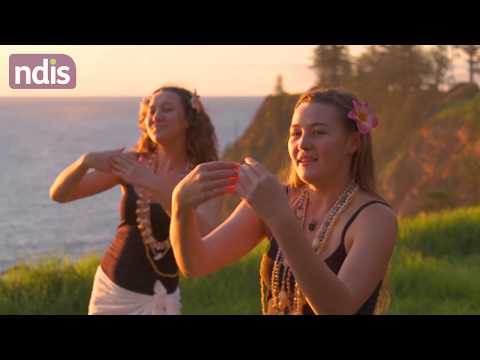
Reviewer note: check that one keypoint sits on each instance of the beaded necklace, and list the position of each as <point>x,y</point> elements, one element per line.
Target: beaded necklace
<point>283,301</point>
<point>154,249</point>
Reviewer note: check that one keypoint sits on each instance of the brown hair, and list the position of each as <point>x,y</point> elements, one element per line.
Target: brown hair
<point>201,140</point>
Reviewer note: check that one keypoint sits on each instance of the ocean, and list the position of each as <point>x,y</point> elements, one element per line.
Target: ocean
<point>39,137</point>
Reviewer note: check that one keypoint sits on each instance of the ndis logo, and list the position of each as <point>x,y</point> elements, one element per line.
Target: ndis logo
<point>42,71</point>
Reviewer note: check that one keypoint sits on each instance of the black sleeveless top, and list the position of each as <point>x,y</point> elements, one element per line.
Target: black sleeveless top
<point>334,262</point>
<point>125,261</point>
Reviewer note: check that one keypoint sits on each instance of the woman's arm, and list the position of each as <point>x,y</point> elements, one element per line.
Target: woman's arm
<point>235,237</point>
<point>75,182</point>
<point>208,215</point>
<point>131,171</point>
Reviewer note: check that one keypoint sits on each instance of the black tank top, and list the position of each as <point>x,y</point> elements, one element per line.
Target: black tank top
<point>125,261</point>
<point>334,262</point>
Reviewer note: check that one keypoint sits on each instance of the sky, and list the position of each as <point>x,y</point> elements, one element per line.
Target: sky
<point>214,70</point>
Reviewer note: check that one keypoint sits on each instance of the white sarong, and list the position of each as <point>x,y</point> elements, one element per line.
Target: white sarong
<point>110,299</point>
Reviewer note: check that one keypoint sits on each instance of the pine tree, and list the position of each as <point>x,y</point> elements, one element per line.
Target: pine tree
<point>332,65</point>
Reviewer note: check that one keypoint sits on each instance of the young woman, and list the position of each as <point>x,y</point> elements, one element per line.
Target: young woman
<point>138,273</point>
<point>331,236</point>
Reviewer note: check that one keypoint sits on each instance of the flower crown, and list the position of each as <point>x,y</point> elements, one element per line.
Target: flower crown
<point>364,119</point>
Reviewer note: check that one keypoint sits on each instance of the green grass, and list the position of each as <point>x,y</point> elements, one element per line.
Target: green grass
<point>435,270</point>
<point>436,267</point>
<point>234,290</point>
<point>51,286</point>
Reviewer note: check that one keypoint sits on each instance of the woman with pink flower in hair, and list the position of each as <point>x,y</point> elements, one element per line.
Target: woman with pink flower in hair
<point>331,235</point>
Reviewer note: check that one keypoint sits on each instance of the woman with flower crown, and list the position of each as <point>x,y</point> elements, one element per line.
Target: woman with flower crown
<point>331,235</point>
<point>138,273</point>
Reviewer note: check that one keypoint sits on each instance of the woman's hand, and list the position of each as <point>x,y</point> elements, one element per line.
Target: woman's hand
<point>102,160</point>
<point>130,170</point>
<point>261,189</point>
<point>206,181</point>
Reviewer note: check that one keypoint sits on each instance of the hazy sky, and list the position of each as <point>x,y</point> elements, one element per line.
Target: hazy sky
<point>215,70</point>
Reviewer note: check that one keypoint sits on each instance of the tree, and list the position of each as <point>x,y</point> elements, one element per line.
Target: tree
<point>332,65</point>
<point>393,78</point>
<point>394,69</point>
<point>279,86</point>
<point>473,54</point>
<point>441,63</point>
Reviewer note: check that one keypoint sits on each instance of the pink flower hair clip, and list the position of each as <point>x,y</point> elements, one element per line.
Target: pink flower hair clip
<point>195,102</point>
<point>362,116</point>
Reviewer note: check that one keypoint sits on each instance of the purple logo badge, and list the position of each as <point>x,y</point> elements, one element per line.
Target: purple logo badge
<point>42,71</point>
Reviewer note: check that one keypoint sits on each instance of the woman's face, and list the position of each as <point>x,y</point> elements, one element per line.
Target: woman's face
<point>166,120</point>
<point>320,147</point>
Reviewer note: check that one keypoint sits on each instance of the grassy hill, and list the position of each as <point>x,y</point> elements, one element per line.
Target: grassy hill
<point>435,270</point>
